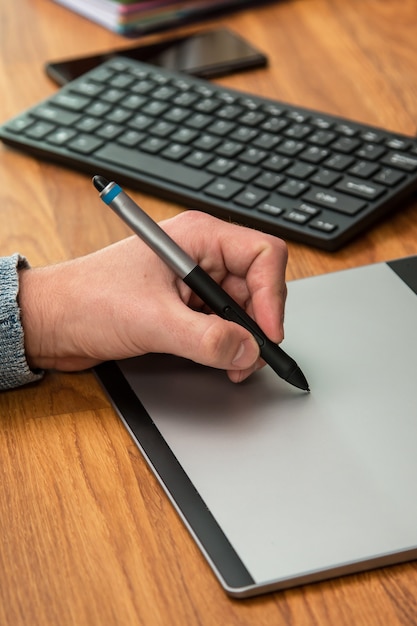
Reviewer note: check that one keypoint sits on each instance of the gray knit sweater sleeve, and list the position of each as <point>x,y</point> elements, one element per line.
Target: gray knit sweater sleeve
<point>14,370</point>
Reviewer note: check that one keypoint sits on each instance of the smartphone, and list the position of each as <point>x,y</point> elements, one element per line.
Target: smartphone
<point>206,54</point>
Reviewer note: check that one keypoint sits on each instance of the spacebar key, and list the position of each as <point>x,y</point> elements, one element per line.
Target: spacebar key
<point>168,171</point>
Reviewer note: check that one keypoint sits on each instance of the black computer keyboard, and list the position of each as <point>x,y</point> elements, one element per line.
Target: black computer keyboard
<point>290,171</point>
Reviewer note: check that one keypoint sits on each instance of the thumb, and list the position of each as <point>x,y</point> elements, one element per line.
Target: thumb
<point>212,341</point>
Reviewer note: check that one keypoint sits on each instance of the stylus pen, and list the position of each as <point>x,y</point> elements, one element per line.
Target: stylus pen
<point>196,278</point>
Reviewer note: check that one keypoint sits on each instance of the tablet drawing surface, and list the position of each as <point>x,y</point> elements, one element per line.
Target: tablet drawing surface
<point>277,486</point>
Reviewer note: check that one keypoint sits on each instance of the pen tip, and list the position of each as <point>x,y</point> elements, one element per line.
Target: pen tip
<point>298,379</point>
<point>100,183</point>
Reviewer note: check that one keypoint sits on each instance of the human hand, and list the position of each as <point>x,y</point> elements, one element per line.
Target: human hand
<point>123,301</point>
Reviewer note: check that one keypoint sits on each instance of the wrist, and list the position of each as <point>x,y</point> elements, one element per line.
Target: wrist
<point>39,306</point>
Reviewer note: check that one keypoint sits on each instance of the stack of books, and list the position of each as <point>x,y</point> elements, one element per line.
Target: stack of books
<point>133,18</point>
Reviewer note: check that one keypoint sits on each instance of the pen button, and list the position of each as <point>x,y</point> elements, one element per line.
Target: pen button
<point>233,316</point>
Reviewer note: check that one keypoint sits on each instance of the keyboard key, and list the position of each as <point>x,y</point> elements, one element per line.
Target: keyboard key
<point>346,129</point>
<point>326,227</point>
<point>297,116</point>
<point>110,131</point>
<point>372,136</point>
<point>177,114</point>
<point>164,93</point>
<point>55,114</point>
<point>269,180</point>
<point>390,177</point>
<point>221,166</point>
<point>325,178</point>
<point>297,217</point>
<point>361,188</point>
<point>40,130</point>
<point>131,138</point>
<point>207,142</point>
<point>204,90</point>
<point>253,156</point>
<point>244,134</point>
<point>61,136</point>
<point>20,124</point>
<point>70,101</point>
<point>273,109</point>
<point>141,122</point>
<point>121,80</point>
<point>336,201</point>
<point>230,111</point>
<point>118,115</point>
<point>99,108</point>
<point>115,95</point>
<point>290,147</point>
<point>308,209</point>
<point>322,137</point>
<point>150,165</point>
<point>184,135</point>
<point>266,140</point>
<point>301,170</point>
<point>89,88</point>
<point>85,144</point>
<point>274,124</point>
<point>371,151</point>
<point>405,162</point>
<point>293,188</point>
<point>270,207</point>
<point>143,86</point>
<point>250,197</point>
<point>221,127</point>
<point>364,169</point>
<point>395,143</point>
<point>314,154</point>
<point>176,151</point>
<point>199,120</point>
<point>339,162</point>
<point>298,131</point>
<point>346,144</point>
<point>163,128</point>
<point>320,122</point>
<point>229,148</point>
<point>153,144</point>
<point>207,105</point>
<point>156,108</point>
<point>252,118</point>
<point>276,163</point>
<point>223,188</point>
<point>88,124</point>
<point>245,173</point>
<point>198,158</point>
<point>185,99</point>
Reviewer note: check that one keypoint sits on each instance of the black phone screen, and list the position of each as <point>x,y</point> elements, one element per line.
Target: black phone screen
<point>206,54</point>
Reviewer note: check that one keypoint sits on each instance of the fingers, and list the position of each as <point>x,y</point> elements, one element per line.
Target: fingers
<point>210,340</point>
<point>249,265</point>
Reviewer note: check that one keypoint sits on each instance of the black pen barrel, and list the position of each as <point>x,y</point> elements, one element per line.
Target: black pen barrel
<point>223,305</point>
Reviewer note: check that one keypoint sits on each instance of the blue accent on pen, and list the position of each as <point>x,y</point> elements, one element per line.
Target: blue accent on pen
<point>111,194</point>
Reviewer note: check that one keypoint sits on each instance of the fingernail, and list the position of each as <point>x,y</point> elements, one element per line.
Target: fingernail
<point>246,355</point>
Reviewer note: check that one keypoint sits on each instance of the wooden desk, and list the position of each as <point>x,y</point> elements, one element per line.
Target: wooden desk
<point>87,535</point>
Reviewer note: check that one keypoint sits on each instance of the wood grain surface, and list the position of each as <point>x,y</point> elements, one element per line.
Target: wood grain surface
<point>88,537</point>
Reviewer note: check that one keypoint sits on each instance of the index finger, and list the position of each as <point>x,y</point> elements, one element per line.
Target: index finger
<point>251,267</point>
